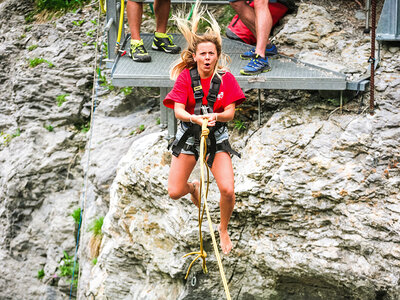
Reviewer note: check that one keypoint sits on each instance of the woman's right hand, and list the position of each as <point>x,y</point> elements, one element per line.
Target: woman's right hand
<point>197,119</point>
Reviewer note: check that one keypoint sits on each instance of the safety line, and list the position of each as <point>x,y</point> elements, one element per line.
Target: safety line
<point>204,192</point>
<point>96,78</point>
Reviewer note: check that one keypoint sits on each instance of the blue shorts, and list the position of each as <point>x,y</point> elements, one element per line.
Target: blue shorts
<point>220,136</point>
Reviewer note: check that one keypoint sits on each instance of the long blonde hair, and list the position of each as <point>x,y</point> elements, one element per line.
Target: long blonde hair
<point>188,28</point>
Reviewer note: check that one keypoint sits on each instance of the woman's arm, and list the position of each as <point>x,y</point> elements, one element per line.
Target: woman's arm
<point>183,115</point>
<point>226,116</point>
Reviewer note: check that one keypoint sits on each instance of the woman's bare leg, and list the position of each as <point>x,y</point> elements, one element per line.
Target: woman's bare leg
<point>223,174</point>
<point>180,170</point>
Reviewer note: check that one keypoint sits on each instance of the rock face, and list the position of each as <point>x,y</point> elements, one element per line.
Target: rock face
<point>317,203</point>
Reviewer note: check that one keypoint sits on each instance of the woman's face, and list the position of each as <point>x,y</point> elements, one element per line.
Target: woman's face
<point>206,57</point>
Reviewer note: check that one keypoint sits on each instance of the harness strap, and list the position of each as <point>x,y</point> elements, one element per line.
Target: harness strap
<point>197,90</point>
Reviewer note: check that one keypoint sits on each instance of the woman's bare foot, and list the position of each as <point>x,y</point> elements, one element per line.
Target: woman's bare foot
<point>225,240</point>
<point>194,194</point>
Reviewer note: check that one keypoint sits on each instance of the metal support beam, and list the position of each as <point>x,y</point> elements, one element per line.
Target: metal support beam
<point>163,110</point>
<point>172,123</point>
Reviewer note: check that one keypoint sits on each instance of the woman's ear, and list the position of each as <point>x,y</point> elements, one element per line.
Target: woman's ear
<point>193,55</point>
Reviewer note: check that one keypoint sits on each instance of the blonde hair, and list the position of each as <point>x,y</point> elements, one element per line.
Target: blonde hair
<point>188,28</point>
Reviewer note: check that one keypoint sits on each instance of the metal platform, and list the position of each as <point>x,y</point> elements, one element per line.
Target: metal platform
<point>389,22</point>
<point>286,73</point>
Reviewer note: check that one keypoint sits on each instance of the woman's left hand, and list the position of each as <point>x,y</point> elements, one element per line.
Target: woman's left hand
<point>211,119</point>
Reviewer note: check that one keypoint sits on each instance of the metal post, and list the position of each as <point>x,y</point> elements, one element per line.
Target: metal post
<point>113,12</point>
<point>341,101</point>
<point>367,13</point>
<point>259,107</point>
<point>372,59</point>
<point>163,109</point>
<point>172,123</point>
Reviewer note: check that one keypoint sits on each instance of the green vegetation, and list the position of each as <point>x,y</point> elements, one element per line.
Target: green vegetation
<point>40,274</point>
<point>78,23</point>
<point>127,90</point>
<point>94,261</point>
<point>28,28</point>
<point>94,21</point>
<point>91,32</point>
<point>96,226</point>
<point>85,127</point>
<point>32,47</point>
<point>66,268</point>
<point>239,125</point>
<point>97,237</point>
<point>33,62</point>
<point>5,138</point>
<point>158,121</point>
<point>103,81</point>
<point>61,99</point>
<point>82,126</point>
<point>76,215</point>
<point>58,4</point>
<point>138,130</point>
<point>17,133</point>
<point>49,127</point>
<point>22,36</point>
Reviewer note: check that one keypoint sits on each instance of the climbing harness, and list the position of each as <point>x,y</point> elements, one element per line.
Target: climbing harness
<point>194,129</point>
<point>204,192</point>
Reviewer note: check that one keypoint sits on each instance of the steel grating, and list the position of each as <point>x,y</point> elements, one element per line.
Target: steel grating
<point>389,22</point>
<point>286,73</point>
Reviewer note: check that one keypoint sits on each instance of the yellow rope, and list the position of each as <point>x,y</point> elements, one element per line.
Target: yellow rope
<point>204,191</point>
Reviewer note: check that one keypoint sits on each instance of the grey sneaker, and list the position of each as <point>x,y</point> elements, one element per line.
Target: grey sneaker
<point>138,51</point>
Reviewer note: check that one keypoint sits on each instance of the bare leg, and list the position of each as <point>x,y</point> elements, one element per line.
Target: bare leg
<point>178,185</point>
<point>134,11</point>
<point>257,19</point>
<point>161,10</point>
<point>263,25</point>
<point>223,174</point>
<point>246,14</point>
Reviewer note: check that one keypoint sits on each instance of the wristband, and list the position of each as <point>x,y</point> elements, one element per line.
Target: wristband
<point>216,117</point>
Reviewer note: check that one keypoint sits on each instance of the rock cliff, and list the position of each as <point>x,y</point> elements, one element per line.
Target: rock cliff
<point>317,203</point>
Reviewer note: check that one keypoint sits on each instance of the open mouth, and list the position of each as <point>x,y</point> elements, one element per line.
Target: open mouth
<point>207,64</point>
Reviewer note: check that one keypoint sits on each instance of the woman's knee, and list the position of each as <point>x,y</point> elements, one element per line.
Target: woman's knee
<point>174,193</point>
<point>227,192</point>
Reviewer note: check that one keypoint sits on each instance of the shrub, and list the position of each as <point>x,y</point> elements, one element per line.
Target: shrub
<point>76,215</point>
<point>61,99</point>
<point>32,47</point>
<point>96,226</point>
<point>38,60</point>
<point>58,4</point>
<point>66,266</point>
<point>40,274</point>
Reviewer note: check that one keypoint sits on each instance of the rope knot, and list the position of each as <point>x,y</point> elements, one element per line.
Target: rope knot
<point>205,132</point>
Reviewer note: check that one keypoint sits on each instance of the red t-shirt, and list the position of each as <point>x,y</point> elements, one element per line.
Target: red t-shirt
<point>182,92</point>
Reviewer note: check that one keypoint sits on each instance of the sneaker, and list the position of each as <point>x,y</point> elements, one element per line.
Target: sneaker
<point>256,65</point>
<point>138,51</point>
<point>163,42</point>
<point>271,51</point>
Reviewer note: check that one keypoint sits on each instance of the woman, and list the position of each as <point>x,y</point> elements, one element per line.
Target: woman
<point>204,54</point>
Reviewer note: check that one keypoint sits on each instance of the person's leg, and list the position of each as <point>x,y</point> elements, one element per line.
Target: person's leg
<point>223,173</point>
<point>134,11</point>
<point>180,170</point>
<point>161,10</point>
<point>263,21</point>
<point>246,14</point>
